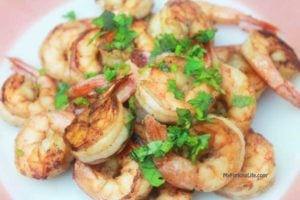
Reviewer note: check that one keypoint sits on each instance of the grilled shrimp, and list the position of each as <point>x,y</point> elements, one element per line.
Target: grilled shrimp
<point>26,93</point>
<point>262,52</point>
<point>118,178</point>
<point>153,96</point>
<point>226,155</point>
<point>235,85</point>
<point>137,8</point>
<point>168,192</point>
<point>55,51</point>
<point>185,18</point>
<point>99,131</point>
<point>259,160</point>
<point>40,151</point>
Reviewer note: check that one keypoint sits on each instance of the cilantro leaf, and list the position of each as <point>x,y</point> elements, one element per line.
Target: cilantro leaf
<point>151,173</point>
<point>132,104</point>
<point>71,16</point>
<point>19,152</point>
<point>173,88</point>
<point>164,67</point>
<point>165,43</point>
<point>196,51</point>
<point>193,66</point>
<point>129,120</point>
<point>105,21</point>
<point>184,117</point>
<point>42,72</point>
<point>81,101</point>
<point>182,46</point>
<point>89,75</point>
<point>206,35</point>
<point>241,101</point>
<point>61,98</point>
<point>201,103</point>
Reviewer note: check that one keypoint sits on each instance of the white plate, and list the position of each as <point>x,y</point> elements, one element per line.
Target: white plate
<point>276,119</point>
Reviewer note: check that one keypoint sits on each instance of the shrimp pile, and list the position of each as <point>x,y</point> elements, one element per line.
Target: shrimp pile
<point>146,106</point>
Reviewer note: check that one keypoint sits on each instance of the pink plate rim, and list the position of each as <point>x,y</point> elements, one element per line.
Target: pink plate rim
<point>28,13</point>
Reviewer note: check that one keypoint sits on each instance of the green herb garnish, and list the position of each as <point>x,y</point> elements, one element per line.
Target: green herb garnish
<point>206,35</point>
<point>172,87</point>
<point>61,99</point>
<point>241,101</point>
<point>81,101</point>
<point>201,103</point>
<point>71,16</point>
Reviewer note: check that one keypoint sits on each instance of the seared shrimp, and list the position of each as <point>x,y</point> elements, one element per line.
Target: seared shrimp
<point>85,53</point>
<point>232,56</point>
<point>168,192</point>
<point>117,178</point>
<point>259,161</point>
<point>259,49</point>
<point>55,51</point>
<point>236,88</point>
<point>26,93</point>
<point>40,151</point>
<point>99,131</point>
<point>185,18</point>
<point>153,96</point>
<point>227,153</point>
<point>137,8</point>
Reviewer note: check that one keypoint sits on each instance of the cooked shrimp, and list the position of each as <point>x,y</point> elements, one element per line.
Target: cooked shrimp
<point>232,56</point>
<point>224,15</point>
<point>185,18</point>
<point>259,49</point>
<point>117,178</point>
<point>26,93</point>
<point>55,51</point>
<point>226,155</point>
<point>40,149</point>
<point>235,84</point>
<point>137,8</point>
<point>153,96</point>
<point>99,131</point>
<point>259,161</point>
<point>285,58</point>
<point>168,192</point>
<point>85,53</point>
<point>144,41</point>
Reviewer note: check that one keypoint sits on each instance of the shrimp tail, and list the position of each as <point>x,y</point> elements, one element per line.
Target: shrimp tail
<point>265,26</point>
<point>21,67</point>
<point>289,92</point>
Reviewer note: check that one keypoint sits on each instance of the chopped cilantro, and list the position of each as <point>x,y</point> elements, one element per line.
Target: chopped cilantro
<point>121,25</point>
<point>111,72</point>
<point>42,72</point>
<point>132,104</point>
<point>105,21</point>
<point>61,98</point>
<point>71,16</point>
<point>173,68</point>
<point>19,153</point>
<point>201,103</point>
<point>129,120</point>
<point>151,173</point>
<point>101,90</point>
<point>182,46</point>
<point>206,35</point>
<point>173,88</point>
<point>95,37</point>
<point>196,51</point>
<point>193,66</point>
<point>81,101</point>
<point>89,75</point>
<point>164,67</point>
<point>164,43</point>
<point>185,117</point>
<point>241,101</point>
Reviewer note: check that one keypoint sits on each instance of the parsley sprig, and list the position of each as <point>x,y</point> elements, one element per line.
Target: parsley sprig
<point>61,99</point>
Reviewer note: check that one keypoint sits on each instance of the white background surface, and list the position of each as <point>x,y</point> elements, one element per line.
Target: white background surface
<point>276,119</point>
